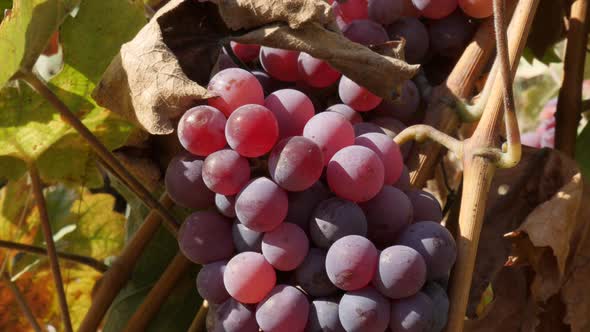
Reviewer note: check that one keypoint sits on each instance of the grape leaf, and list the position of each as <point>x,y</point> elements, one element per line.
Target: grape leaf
<point>26,30</point>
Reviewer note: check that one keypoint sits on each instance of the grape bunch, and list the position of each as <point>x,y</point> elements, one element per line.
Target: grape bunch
<point>544,135</point>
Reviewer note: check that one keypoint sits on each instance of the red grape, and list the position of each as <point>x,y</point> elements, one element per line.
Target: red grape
<point>356,96</point>
<point>285,309</point>
<point>261,205</point>
<point>315,72</point>
<point>351,10</point>
<point>233,88</point>
<point>252,130</point>
<point>292,109</point>
<point>435,9</point>
<point>385,11</point>
<point>387,150</point>
<point>346,111</point>
<point>285,247</point>
<point>226,205</point>
<point>280,64</point>
<point>245,52</point>
<point>296,163</point>
<point>477,8</point>
<point>330,131</point>
<point>201,130</point>
<point>226,172</point>
<point>248,277</point>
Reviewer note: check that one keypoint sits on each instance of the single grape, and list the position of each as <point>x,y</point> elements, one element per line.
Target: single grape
<point>226,205</point>
<point>226,172</point>
<point>425,206</point>
<point>401,272</point>
<point>355,173</point>
<point>210,282</point>
<point>315,72</point>
<point>435,9</point>
<point>205,237</point>
<point>334,219</point>
<point>246,239</point>
<point>346,111</point>
<point>450,35</point>
<point>477,8</point>
<point>296,163</point>
<point>409,10</point>
<point>405,107</point>
<point>388,214</point>
<point>285,309</point>
<point>261,205</point>
<point>234,87</point>
<point>224,61</point>
<point>233,316</point>
<point>351,262</point>
<point>184,182</point>
<point>357,97</point>
<point>387,150</point>
<point>441,305</point>
<point>201,130</point>
<point>351,10</point>
<point>269,84</point>
<point>365,32</point>
<point>303,203</point>
<point>248,277</point>
<point>330,131</point>
<point>280,64</point>
<point>531,139</point>
<point>436,245</point>
<point>365,128</point>
<point>323,316</point>
<point>311,274</point>
<point>245,52</point>
<point>416,35</point>
<point>364,310</point>
<point>252,130</point>
<point>403,183</point>
<point>385,11</point>
<point>285,247</point>
<point>392,127</point>
<point>412,314</point>
<point>292,109</point>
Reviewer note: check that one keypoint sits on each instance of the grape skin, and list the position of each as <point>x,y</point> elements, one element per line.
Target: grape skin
<point>450,35</point>
<point>365,128</point>
<point>425,206</point>
<point>285,247</point>
<point>385,11</point>
<point>184,182</point>
<point>296,163</point>
<point>311,274</point>
<point>351,262</point>
<point>334,219</point>
<point>269,84</point>
<point>233,316</point>
<point>261,205</point>
<point>416,35</point>
<point>246,239</point>
<point>252,130</point>
<point>435,9</point>
<point>441,304</point>
<point>303,203</point>
<point>351,10</point>
<point>387,150</point>
<point>405,107</point>
<point>210,282</point>
<point>356,96</point>
<point>364,310</point>
<point>248,277</point>
<point>226,205</point>
<point>330,131</point>
<point>205,237</point>
<point>245,52</point>
<point>234,87</point>
<point>226,172</point>
<point>292,109</point>
<point>285,309</point>
<point>280,64</point>
<point>365,32</point>
<point>477,8</point>
<point>315,72</point>
<point>412,314</point>
<point>201,130</point>
<point>401,272</point>
<point>403,183</point>
<point>323,316</point>
<point>347,112</point>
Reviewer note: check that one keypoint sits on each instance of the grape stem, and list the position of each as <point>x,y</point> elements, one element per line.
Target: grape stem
<point>22,302</point>
<point>420,133</point>
<point>199,323</point>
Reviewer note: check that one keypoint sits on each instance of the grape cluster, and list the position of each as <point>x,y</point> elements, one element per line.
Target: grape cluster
<point>544,135</point>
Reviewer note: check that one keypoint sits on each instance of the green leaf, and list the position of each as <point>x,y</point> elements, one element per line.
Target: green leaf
<point>25,32</point>
<point>582,151</point>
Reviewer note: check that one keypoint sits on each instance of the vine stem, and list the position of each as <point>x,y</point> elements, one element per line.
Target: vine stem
<point>103,153</point>
<point>198,324</point>
<point>569,102</point>
<point>93,263</point>
<point>158,294</point>
<point>22,302</point>
<point>51,252</point>
<point>120,271</point>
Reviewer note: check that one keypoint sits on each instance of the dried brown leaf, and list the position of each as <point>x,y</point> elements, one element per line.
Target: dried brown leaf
<point>142,168</point>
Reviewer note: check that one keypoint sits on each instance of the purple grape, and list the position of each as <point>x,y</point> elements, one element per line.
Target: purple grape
<point>351,262</point>
<point>246,239</point>
<point>334,219</point>
<point>261,205</point>
<point>401,272</point>
<point>184,182</point>
<point>296,163</point>
<point>323,316</point>
<point>412,314</point>
<point>416,35</point>
<point>450,35</point>
<point>425,205</point>
<point>205,237</point>
<point>226,205</point>
<point>365,32</point>
<point>285,309</point>
<point>364,310</point>
<point>210,282</point>
<point>225,62</point>
<point>403,183</point>
<point>226,172</point>
<point>362,128</point>
<point>285,247</point>
<point>436,245</point>
<point>385,11</point>
<point>292,109</point>
<point>388,214</point>
<point>387,150</point>
<point>233,316</point>
<point>392,127</point>
<point>405,107</point>
<point>311,274</point>
<point>303,203</point>
<point>441,305</point>
<point>269,84</point>
<point>346,111</point>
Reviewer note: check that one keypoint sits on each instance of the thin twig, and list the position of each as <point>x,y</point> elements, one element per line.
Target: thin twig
<point>198,324</point>
<point>22,302</point>
<point>93,263</point>
<point>120,271</point>
<point>51,252</point>
<point>569,102</point>
<point>158,294</point>
<point>103,153</point>
<point>422,132</point>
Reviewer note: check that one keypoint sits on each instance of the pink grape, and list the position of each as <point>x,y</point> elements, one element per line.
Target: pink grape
<point>357,97</point>
<point>315,72</point>
<point>401,272</point>
<point>292,109</point>
<point>234,87</point>
<point>365,32</point>
<point>248,277</point>
<point>346,111</point>
<point>351,262</point>
<point>531,139</point>
<point>226,172</point>
<point>252,130</point>
<point>205,237</point>
<point>245,52</point>
<point>351,10</point>
<point>280,64</point>
<point>184,182</point>
<point>285,309</point>
<point>387,150</point>
<point>477,8</point>
<point>201,130</point>
<point>435,9</point>
<point>330,131</point>
<point>226,205</point>
<point>285,247</point>
<point>355,173</point>
<point>261,205</point>
<point>385,11</point>
<point>296,163</point>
